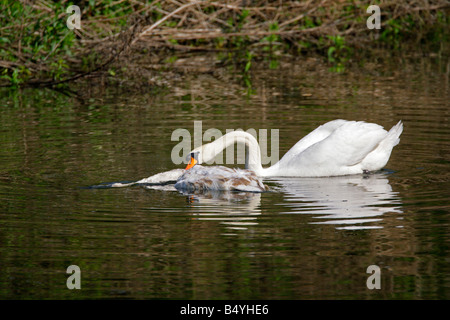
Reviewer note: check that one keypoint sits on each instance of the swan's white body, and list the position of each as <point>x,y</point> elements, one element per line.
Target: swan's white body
<point>219,178</point>
<point>338,147</point>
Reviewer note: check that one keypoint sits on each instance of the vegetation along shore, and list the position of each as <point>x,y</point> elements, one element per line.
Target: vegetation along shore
<point>143,40</point>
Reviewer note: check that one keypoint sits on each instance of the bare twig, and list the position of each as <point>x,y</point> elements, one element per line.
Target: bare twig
<point>153,26</point>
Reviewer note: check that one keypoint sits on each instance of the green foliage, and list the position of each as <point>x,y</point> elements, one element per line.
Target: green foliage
<point>392,33</point>
<point>338,53</point>
<point>396,32</point>
<point>309,23</point>
<point>237,22</point>
<point>43,41</point>
<point>12,77</point>
<point>35,42</point>
<point>272,45</point>
<point>59,68</point>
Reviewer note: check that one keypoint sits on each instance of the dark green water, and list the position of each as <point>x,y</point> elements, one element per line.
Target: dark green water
<point>310,239</point>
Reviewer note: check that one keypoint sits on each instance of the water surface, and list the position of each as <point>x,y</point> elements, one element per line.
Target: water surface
<point>307,239</point>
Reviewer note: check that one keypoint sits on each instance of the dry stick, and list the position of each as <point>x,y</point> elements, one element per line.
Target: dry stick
<point>206,18</point>
<point>110,37</point>
<point>214,16</point>
<point>9,64</point>
<point>302,15</point>
<point>157,23</point>
<point>240,8</point>
<point>160,44</point>
<point>204,34</point>
<point>180,23</point>
<point>199,14</point>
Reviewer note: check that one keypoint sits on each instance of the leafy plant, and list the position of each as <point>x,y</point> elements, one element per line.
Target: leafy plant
<point>338,53</point>
<point>273,45</point>
<point>392,33</point>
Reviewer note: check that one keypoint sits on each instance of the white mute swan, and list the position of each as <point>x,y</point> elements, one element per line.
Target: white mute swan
<point>338,147</point>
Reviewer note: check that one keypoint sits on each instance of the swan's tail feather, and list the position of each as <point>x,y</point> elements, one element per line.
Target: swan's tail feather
<point>378,158</point>
<point>393,136</point>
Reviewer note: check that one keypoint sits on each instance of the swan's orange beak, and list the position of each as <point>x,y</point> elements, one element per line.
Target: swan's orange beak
<point>191,163</point>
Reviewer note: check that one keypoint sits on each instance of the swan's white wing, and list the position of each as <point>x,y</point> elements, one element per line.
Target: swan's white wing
<point>318,134</point>
<point>344,148</point>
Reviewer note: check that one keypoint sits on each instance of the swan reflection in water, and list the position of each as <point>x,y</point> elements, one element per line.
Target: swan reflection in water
<point>348,202</point>
<point>235,210</point>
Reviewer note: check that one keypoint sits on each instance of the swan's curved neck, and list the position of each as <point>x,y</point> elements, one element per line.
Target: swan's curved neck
<point>253,156</point>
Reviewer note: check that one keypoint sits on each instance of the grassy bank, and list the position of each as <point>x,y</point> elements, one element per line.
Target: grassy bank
<point>121,39</point>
